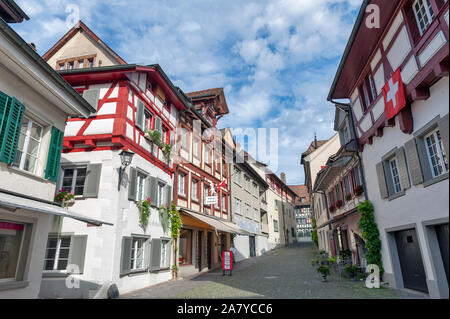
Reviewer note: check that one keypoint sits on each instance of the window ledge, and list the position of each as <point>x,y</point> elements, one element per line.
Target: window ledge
<point>397,195</point>
<point>13,284</point>
<point>55,274</point>
<point>435,180</point>
<point>28,174</point>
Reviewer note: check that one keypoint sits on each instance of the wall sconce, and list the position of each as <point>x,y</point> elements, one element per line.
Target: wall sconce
<point>125,158</point>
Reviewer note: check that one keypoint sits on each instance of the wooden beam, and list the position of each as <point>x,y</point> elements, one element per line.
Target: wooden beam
<point>420,94</point>
<point>441,69</point>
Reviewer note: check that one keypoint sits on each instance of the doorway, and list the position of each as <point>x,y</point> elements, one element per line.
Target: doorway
<point>411,260</point>
<point>199,250</point>
<point>223,243</point>
<point>252,243</point>
<point>209,250</point>
<point>442,236</point>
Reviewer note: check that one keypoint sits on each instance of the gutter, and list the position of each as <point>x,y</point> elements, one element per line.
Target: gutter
<point>45,66</point>
<point>348,47</point>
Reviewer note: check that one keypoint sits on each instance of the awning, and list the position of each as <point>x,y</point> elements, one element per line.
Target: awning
<point>238,230</point>
<point>219,225</point>
<point>40,207</point>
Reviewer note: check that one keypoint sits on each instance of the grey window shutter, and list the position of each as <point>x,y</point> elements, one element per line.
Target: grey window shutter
<point>125,258</point>
<point>132,187</point>
<point>402,168</point>
<point>169,253</point>
<point>423,158</point>
<point>147,253</point>
<point>92,181</point>
<point>158,124</point>
<point>77,251</point>
<point>412,157</point>
<point>140,115</point>
<point>147,188</point>
<point>381,180</point>
<point>168,194</point>
<point>155,262</point>
<point>153,190</point>
<point>443,130</point>
<point>92,96</point>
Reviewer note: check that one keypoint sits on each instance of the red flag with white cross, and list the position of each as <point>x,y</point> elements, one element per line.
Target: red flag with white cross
<point>394,95</point>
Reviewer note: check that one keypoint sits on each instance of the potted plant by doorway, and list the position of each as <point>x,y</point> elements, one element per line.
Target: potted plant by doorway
<point>351,271</point>
<point>324,271</point>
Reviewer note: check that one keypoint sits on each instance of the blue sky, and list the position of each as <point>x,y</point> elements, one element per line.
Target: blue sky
<point>275,59</point>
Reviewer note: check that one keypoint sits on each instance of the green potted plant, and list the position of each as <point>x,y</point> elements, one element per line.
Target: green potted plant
<point>351,271</point>
<point>324,271</point>
<point>348,197</point>
<point>332,259</point>
<point>65,198</point>
<point>314,262</point>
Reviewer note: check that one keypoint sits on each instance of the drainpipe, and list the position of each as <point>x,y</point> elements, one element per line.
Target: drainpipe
<point>346,108</point>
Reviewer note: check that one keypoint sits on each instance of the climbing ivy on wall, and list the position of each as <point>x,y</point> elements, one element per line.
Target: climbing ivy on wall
<point>314,232</point>
<point>371,234</point>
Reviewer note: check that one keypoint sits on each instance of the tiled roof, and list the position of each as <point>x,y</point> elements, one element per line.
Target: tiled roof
<point>301,191</point>
<point>205,92</point>
<point>312,147</point>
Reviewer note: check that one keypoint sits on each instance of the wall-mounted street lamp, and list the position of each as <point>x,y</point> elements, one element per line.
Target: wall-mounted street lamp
<point>126,158</point>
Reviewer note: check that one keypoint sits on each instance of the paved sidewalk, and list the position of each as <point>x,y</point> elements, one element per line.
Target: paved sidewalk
<point>281,273</point>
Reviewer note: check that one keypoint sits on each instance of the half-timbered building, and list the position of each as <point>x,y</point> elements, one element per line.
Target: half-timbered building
<point>396,78</point>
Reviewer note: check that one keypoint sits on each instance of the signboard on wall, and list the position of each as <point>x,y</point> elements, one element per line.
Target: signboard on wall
<point>211,200</point>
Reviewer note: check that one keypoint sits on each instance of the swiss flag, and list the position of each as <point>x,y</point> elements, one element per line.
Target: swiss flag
<point>394,95</point>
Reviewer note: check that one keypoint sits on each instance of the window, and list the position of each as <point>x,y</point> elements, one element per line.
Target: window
<point>205,192</point>
<point>91,63</point>
<point>184,138</point>
<point>423,13</point>
<point>436,156</point>
<point>61,66</point>
<point>256,213</point>
<point>57,253</point>
<point>338,191</point>
<point>371,86</point>
<point>247,183</point>
<point>28,146</point>
<point>275,226</point>
<point>80,64</point>
<point>137,253</point>
<point>181,184</point>
<point>347,185</point>
<point>237,205</point>
<point>224,203</point>
<point>70,65</point>
<point>276,205</point>
<point>11,238</point>
<point>194,191</point>
<point>196,146</point>
<point>165,253</point>
<point>148,120</point>
<point>255,189</point>
<point>207,155</point>
<point>237,173</point>
<point>247,210</point>
<point>395,176</point>
<point>140,186</point>
<point>73,180</point>
<point>160,189</point>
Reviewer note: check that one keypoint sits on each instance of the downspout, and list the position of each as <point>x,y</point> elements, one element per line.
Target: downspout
<point>346,109</point>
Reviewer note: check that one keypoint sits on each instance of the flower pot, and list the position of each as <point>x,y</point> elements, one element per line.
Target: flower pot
<point>324,277</point>
<point>68,203</point>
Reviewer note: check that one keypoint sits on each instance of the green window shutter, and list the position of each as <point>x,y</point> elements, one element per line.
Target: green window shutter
<point>125,259</point>
<point>92,96</point>
<point>77,251</point>
<point>443,130</point>
<point>413,162</point>
<point>154,190</point>
<point>155,262</point>
<point>140,115</point>
<point>381,180</point>
<point>402,168</point>
<point>11,115</point>
<point>54,155</point>
<point>92,181</point>
<point>147,253</point>
<point>132,187</point>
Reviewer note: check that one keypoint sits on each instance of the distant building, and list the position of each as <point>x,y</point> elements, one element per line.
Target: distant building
<point>303,214</point>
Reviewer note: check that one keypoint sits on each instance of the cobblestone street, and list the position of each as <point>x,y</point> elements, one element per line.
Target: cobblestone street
<point>281,273</point>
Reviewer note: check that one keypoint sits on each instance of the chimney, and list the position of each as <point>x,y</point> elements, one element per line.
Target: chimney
<point>283,177</point>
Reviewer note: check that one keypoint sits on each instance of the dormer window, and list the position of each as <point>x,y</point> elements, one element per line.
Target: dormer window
<point>423,13</point>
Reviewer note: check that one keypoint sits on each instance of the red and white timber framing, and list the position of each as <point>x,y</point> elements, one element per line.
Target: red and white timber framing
<point>113,127</point>
<point>422,59</point>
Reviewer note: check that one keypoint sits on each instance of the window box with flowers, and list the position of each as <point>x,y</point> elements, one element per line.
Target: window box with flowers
<point>331,208</point>
<point>348,197</point>
<point>65,198</point>
<point>339,204</point>
<point>358,190</point>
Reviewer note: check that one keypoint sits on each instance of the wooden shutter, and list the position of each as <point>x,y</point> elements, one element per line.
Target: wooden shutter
<point>92,181</point>
<point>443,130</point>
<point>153,190</point>
<point>423,158</point>
<point>92,96</point>
<point>402,168</point>
<point>158,125</point>
<point>155,262</point>
<point>147,253</point>
<point>132,187</point>
<point>11,115</point>
<point>77,251</point>
<point>168,194</point>
<point>412,157</point>
<point>54,155</point>
<point>140,115</point>
<point>125,258</point>
<point>381,180</point>
<point>147,188</point>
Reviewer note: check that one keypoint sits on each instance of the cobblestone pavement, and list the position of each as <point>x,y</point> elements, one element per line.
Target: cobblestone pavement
<point>281,273</point>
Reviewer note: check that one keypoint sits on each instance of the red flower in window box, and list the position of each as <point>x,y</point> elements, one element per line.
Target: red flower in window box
<point>358,190</point>
<point>339,203</point>
<point>332,208</point>
<point>348,197</point>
